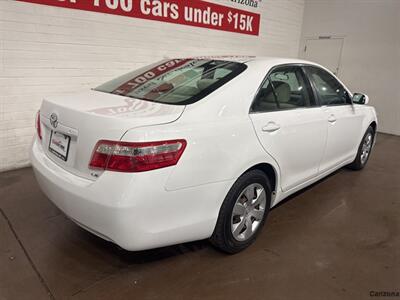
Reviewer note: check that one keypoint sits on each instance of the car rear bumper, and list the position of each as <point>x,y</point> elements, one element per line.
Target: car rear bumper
<point>132,210</point>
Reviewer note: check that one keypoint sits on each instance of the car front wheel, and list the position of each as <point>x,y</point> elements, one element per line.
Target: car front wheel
<point>364,150</point>
<point>243,212</point>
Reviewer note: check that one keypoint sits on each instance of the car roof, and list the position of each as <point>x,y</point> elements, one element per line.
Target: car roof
<point>260,59</point>
<point>280,60</point>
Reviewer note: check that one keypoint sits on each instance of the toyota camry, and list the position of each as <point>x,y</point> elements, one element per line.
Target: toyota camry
<point>196,148</point>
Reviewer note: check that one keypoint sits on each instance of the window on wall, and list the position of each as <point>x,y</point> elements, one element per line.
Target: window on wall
<point>284,88</point>
<point>329,89</point>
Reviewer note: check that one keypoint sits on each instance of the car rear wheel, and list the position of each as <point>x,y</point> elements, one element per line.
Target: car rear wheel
<point>243,212</point>
<point>364,150</point>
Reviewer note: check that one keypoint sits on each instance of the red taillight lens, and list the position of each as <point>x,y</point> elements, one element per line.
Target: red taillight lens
<point>136,157</point>
<point>38,126</point>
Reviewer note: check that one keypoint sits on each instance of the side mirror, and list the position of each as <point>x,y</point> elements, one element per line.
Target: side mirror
<point>360,98</point>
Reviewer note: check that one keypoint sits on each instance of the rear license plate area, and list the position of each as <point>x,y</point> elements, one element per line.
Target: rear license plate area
<point>59,145</point>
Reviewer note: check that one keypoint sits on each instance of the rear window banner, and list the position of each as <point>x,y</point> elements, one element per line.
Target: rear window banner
<point>177,81</point>
<point>196,13</point>
<point>153,73</point>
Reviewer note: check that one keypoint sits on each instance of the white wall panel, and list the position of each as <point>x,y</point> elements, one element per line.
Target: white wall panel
<point>48,50</point>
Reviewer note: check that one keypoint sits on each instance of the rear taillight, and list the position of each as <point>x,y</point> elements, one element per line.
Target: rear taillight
<point>136,157</point>
<point>38,126</point>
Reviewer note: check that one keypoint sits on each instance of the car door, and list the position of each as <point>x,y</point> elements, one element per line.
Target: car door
<point>289,124</point>
<point>343,119</point>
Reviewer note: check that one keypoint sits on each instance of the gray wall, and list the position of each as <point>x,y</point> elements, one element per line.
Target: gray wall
<point>371,53</point>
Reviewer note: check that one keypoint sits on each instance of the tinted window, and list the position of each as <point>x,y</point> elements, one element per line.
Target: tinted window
<point>284,88</point>
<point>174,81</point>
<point>329,90</point>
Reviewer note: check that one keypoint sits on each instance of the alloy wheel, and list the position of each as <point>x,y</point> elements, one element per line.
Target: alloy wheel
<point>248,212</point>
<point>366,148</point>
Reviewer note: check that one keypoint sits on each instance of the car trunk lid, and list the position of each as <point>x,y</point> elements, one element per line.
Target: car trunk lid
<point>73,124</point>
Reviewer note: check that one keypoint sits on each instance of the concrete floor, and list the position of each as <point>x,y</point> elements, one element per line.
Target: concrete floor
<point>339,239</point>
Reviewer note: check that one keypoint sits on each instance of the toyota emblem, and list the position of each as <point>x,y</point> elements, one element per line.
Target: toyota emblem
<point>54,120</point>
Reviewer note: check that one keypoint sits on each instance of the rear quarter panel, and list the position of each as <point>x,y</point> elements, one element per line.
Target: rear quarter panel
<point>215,151</point>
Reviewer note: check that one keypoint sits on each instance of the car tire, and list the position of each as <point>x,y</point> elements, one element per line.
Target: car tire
<point>247,203</point>
<point>364,150</point>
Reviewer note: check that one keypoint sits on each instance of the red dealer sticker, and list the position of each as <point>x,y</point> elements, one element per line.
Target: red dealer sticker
<point>137,82</point>
<point>187,12</point>
<point>141,79</point>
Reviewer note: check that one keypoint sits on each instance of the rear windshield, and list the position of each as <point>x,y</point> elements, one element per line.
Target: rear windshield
<point>178,81</point>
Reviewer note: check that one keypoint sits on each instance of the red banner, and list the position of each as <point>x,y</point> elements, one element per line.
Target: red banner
<point>187,12</point>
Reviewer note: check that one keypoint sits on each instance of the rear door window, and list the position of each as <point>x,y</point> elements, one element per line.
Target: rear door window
<point>284,88</point>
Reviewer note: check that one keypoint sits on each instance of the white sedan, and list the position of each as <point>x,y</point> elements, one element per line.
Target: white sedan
<point>196,148</point>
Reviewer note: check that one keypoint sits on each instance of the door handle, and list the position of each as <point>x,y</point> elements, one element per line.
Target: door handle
<point>332,119</point>
<point>271,127</point>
